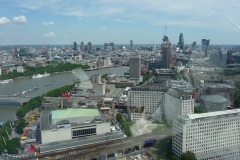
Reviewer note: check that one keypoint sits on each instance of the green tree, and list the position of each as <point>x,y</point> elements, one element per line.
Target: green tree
<point>200,109</point>
<point>188,156</point>
<point>119,117</point>
<point>20,125</point>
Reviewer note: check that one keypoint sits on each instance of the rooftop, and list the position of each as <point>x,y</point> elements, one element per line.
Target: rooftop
<point>210,114</point>
<point>71,113</point>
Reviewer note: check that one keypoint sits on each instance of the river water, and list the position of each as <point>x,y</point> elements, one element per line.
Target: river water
<point>8,109</point>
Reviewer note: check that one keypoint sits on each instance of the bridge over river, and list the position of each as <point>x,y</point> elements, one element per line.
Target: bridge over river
<point>19,99</point>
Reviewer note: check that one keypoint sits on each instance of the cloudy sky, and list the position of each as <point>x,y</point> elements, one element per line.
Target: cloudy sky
<point>118,21</point>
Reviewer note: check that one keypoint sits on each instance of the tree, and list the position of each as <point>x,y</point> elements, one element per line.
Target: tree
<point>188,156</point>
<point>200,109</point>
<point>20,125</point>
<point>119,117</point>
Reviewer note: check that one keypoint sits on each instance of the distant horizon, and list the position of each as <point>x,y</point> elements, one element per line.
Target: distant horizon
<point>78,44</point>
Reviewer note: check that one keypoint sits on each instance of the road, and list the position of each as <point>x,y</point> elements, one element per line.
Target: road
<point>83,151</point>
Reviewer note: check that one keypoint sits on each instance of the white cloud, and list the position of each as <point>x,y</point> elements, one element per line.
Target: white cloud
<point>176,13</point>
<point>19,19</point>
<point>104,28</point>
<point>36,32</point>
<point>66,35</point>
<point>4,21</point>
<point>48,24</point>
<point>2,33</point>
<point>50,34</point>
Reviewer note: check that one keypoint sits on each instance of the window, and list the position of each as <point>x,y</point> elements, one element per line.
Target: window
<point>83,132</point>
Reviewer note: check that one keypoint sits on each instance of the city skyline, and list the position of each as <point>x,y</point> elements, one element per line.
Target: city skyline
<point>58,22</point>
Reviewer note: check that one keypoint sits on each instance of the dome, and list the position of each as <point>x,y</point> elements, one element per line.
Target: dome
<point>214,102</point>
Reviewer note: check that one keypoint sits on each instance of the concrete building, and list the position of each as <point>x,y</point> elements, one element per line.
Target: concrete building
<point>61,125</point>
<point>96,78</point>
<point>136,114</point>
<point>177,103</point>
<point>99,89</point>
<point>135,68</point>
<point>209,136</point>
<point>151,98</point>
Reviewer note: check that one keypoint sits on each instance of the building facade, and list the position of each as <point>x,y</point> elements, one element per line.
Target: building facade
<point>166,55</point>
<point>205,45</point>
<point>181,41</point>
<point>151,98</point>
<point>209,136</point>
<point>177,103</point>
<point>135,67</point>
<point>75,46</point>
<point>60,125</point>
<point>82,46</point>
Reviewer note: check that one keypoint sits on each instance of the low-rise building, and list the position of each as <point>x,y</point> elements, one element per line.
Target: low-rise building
<point>67,124</point>
<point>136,114</point>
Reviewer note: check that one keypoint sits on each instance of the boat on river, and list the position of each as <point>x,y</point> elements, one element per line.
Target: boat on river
<point>41,75</point>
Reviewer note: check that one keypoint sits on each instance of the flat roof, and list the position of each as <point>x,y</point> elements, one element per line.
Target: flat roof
<point>76,112</point>
<point>210,114</point>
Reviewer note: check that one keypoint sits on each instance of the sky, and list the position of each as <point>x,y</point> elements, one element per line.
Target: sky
<point>25,22</point>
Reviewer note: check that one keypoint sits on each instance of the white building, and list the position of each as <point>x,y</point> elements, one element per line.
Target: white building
<point>177,103</point>
<point>67,124</point>
<point>148,97</point>
<point>212,135</point>
<point>107,62</point>
<point>20,69</point>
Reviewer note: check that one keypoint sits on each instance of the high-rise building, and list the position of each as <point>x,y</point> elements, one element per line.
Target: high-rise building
<point>105,45</point>
<point>205,44</point>
<point>166,54</point>
<point>112,45</point>
<point>218,57</point>
<point>194,46</point>
<point>212,135</point>
<point>82,46</point>
<point>89,47</point>
<point>131,44</point>
<point>135,67</point>
<point>75,46</point>
<point>181,41</point>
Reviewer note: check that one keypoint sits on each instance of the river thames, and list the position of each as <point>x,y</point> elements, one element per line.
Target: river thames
<point>8,109</point>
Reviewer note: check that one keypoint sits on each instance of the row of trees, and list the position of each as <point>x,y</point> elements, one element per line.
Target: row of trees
<point>50,68</point>
<point>58,91</point>
<point>125,124</point>
<point>146,77</point>
<point>11,145</point>
<point>32,104</point>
